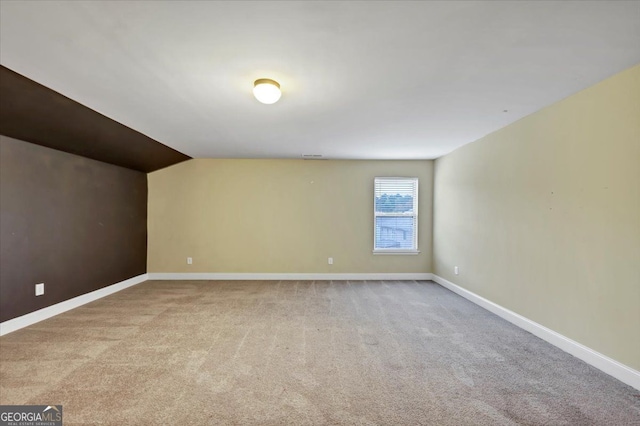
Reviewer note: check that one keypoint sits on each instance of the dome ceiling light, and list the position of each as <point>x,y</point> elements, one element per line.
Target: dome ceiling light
<point>266,90</point>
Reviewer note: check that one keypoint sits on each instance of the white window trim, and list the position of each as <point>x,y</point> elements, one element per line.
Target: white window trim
<point>387,252</point>
<point>400,252</point>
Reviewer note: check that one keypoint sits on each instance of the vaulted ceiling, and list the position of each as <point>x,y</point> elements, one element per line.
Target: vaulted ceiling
<point>374,80</point>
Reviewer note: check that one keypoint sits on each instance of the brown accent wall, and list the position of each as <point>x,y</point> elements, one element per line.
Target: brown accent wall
<point>74,223</point>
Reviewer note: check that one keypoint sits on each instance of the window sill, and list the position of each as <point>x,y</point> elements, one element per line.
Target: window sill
<point>397,252</point>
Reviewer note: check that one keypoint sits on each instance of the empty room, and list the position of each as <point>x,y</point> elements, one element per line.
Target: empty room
<point>319,212</point>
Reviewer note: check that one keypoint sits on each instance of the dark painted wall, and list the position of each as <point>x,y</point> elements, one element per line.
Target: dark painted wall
<point>74,223</point>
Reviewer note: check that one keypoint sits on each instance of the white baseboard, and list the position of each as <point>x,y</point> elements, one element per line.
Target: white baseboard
<point>610,366</point>
<point>286,276</point>
<point>67,305</point>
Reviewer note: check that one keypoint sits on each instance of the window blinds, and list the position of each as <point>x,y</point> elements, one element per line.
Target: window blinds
<point>396,214</point>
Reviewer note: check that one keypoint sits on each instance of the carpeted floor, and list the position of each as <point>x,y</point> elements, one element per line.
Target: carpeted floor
<point>256,352</point>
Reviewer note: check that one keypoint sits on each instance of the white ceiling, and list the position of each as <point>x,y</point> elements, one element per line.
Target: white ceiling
<point>375,80</point>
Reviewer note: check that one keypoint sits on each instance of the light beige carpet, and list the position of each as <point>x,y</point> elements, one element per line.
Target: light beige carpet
<point>390,353</point>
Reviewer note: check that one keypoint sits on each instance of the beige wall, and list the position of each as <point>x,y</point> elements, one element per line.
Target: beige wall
<point>543,217</point>
<point>277,216</point>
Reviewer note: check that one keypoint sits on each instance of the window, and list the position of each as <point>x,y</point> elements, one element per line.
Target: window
<point>395,215</point>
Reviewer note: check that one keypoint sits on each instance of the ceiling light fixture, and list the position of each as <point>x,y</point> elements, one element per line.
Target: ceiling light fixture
<point>266,90</point>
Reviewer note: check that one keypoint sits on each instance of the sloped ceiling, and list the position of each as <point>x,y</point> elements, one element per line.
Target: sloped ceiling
<point>374,80</point>
<point>34,113</point>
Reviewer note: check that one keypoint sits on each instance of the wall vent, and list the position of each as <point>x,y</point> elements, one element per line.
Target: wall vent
<point>312,156</point>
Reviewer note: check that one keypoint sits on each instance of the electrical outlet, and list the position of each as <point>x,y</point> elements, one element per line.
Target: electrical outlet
<point>39,289</point>
<point>330,261</point>
<point>455,270</point>
<point>189,261</point>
